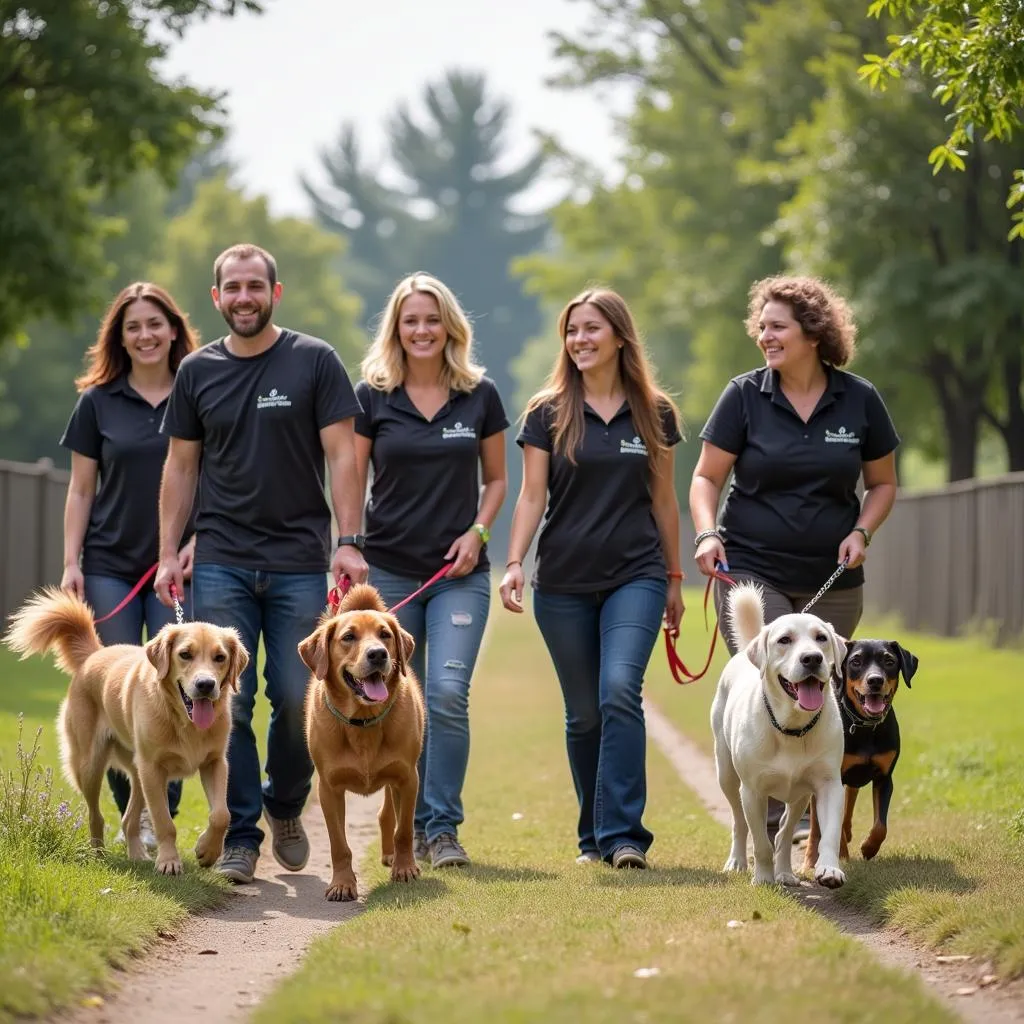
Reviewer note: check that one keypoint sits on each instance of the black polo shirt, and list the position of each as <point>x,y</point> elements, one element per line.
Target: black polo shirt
<point>426,474</point>
<point>794,490</point>
<point>114,425</point>
<point>598,530</point>
<point>261,484</point>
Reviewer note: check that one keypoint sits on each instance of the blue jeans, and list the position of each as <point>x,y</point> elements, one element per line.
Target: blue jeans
<point>447,621</point>
<point>284,607</point>
<point>600,644</point>
<point>104,594</point>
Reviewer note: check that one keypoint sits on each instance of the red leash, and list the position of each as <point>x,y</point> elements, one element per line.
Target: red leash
<point>336,593</point>
<point>146,577</point>
<point>680,673</point>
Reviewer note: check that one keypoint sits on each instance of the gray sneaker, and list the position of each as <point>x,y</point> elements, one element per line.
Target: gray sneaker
<point>628,857</point>
<point>238,863</point>
<point>291,845</point>
<point>447,852</point>
<point>420,846</point>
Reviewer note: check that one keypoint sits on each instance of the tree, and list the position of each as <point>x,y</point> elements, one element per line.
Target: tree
<point>82,108</point>
<point>316,300</point>
<point>974,53</point>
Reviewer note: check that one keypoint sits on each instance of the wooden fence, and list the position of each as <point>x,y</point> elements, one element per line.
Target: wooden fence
<point>953,558</point>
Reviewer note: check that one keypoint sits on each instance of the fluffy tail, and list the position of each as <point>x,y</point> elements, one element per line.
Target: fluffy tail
<point>362,597</point>
<point>57,621</point>
<point>746,613</point>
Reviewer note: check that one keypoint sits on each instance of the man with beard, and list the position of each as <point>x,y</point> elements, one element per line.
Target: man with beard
<point>251,418</point>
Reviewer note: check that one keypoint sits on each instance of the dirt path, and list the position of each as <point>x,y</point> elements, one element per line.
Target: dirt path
<point>217,966</point>
<point>957,983</point>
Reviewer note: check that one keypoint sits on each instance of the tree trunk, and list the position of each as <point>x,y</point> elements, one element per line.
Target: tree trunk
<point>962,403</point>
<point>1013,429</point>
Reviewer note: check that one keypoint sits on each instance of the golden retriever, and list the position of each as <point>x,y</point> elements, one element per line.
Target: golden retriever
<point>157,712</point>
<point>364,727</point>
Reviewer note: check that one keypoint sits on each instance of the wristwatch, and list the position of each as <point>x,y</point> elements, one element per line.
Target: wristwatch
<point>352,540</point>
<point>485,534</point>
<point>866,532</point>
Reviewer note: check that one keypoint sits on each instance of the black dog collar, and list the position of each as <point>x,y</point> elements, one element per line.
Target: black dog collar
<point>787,732</point>
<point>359,723</point>
<point>857,721</point>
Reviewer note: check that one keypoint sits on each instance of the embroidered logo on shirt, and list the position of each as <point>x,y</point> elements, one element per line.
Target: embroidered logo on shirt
<point>273,400</point>
<point>841,436</point>
<point>458,431</point>
<point>634,447</point>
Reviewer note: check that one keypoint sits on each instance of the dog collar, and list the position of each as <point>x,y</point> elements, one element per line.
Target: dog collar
<point>858,722</point>
<point>359,723</point>
<point>787,732</point>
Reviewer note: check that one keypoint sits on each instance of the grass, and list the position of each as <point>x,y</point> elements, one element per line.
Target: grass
<point>948,874</point>
<point>525,934</point>
<point>68,916</point>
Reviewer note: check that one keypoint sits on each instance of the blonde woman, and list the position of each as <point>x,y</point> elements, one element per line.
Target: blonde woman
<point>597,454</point>
<point>433,428</point>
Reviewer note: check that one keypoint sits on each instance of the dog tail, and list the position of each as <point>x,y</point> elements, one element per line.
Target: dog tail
<point>54,620</point>
<point>746,613</point>
<point>362,598</point>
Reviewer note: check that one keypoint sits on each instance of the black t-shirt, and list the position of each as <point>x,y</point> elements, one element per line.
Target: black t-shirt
<point>426,474</point>
<point>599,530</point>
<point>114,425</point>
<point>261,484</point>
<point>794,490</point>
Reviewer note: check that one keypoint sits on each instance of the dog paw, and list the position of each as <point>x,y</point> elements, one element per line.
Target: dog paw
<point>169,865</point>
<point>787,878</point>
<point>405,871</point>
<point>208,850</point>
<point>868,849</point>
<point>387,859</point>
<point>734,864</point>
<point>763,877</point>
<point>830,877</point>
<point>342,889</point>
<point>137,850</point>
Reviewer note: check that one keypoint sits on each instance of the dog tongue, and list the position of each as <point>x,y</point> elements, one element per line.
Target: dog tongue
<point>374,688</point>
<point>809,694</point>
<point>202,713</point>
<point>874,704</point>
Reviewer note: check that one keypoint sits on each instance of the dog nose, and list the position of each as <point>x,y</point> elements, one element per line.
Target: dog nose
<point>875,682</point>
<point>204,687</point>
<point>812,659</point>
<point>377,656</point>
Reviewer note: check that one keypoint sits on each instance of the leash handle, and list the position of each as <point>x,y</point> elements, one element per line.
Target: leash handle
<point>336,593</point>
<point>146,577</point>
<point>680,673</point>
<point>179,613</point>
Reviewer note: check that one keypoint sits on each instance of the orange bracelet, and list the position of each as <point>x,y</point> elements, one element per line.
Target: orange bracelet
<point>677,575</point>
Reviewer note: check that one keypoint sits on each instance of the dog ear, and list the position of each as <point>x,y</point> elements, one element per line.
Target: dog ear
<point>757,650</point>
<point>315,650</point>
<point>908,663</point>
<point>838,647</point>
<point>158,650</point>
<point>404,646</point>
<point>238,657</point>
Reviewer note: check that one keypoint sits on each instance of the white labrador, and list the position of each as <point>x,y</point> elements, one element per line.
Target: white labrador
<point>778,733</point>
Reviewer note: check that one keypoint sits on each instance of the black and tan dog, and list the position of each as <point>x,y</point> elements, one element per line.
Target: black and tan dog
<point>871,736</point>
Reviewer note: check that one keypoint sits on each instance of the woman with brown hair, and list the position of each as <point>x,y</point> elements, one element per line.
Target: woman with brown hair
<point>597,455</point>
<point>117,455</point>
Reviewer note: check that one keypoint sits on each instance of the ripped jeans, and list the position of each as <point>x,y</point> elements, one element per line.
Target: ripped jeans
<point>447,622</point>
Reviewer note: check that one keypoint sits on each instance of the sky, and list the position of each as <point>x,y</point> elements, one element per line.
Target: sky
<point>295,73</point>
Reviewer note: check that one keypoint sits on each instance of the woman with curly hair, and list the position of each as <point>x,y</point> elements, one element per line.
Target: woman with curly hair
<point>798,435</point>
<point>432,428</point>
<point>117,454</point>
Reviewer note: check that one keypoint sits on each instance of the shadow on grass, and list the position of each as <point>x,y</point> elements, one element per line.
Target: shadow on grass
<point>688,876</point>
<point>198,889</point>
<point>501,873</point>
<point>401,895</point>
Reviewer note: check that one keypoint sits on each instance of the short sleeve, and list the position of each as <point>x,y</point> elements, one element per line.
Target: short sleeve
<point>82,434</point>
<point>670,425</point>
<point>535,430</point>
<point>335,399</point>
<point>181,418</point>
<point>726,426</point>
<point>364,418</point>
<point>495,419</point>
<point>880,437</point>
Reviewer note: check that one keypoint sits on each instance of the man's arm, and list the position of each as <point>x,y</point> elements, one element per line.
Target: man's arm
<point>177,493</point>
<point>338,441</point>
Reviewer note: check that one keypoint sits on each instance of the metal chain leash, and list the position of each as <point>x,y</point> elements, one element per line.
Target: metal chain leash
<point>828,583</point>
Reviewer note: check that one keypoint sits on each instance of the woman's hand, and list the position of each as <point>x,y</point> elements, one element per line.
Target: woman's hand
<point>73,581</point>
<point>709,551</point>
<point>511,588</point>
<point>674,606</point>
<point>186,557</point>
<point>853,550</point>
<point>465,552</point>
